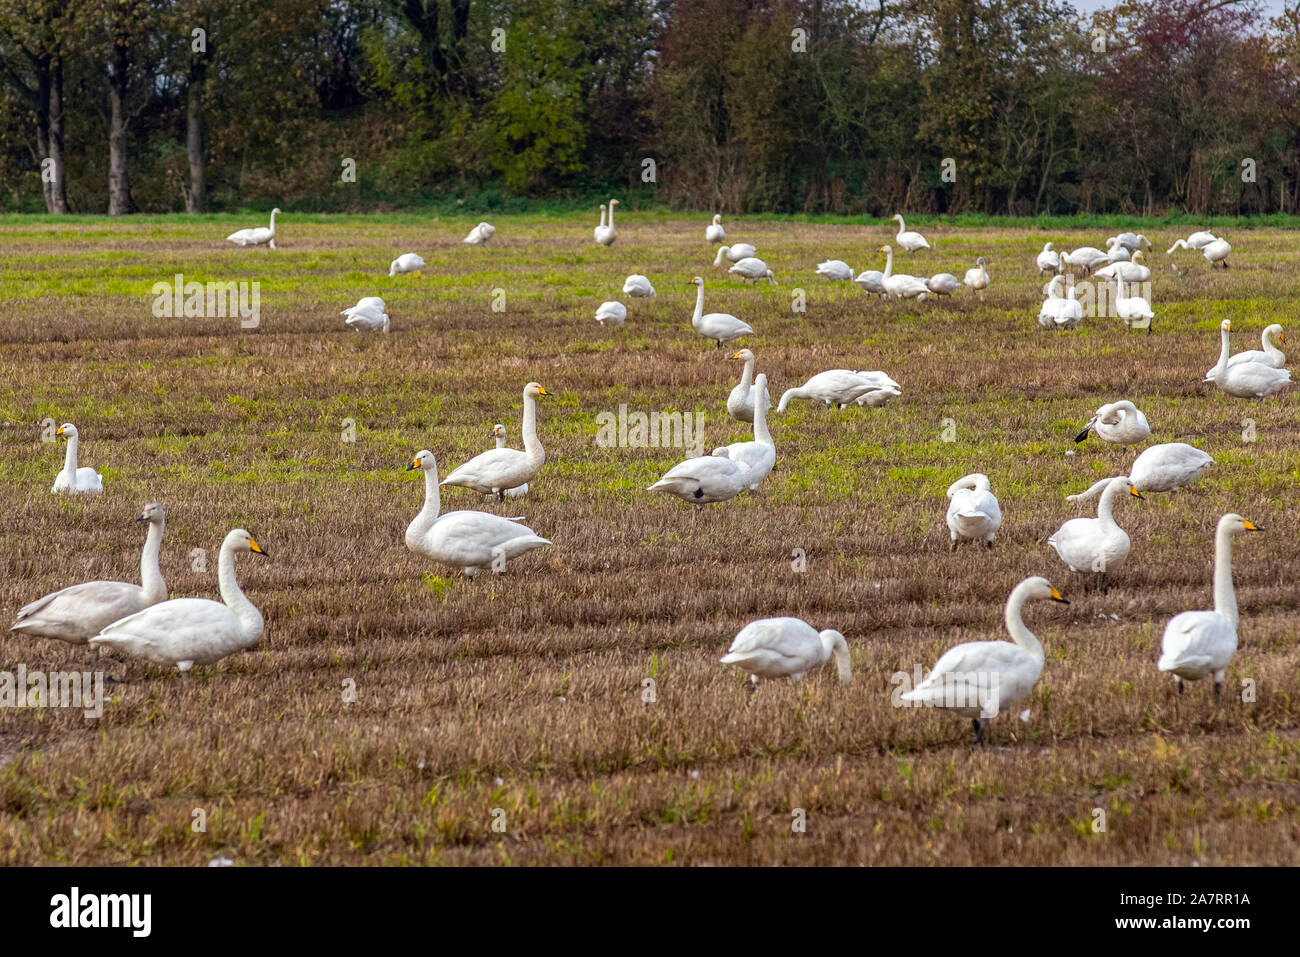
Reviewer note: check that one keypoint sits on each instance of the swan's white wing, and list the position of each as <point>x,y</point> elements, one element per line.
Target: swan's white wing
<point>1197,643</point>
<point>183,629</point>
<point>79,612</point>
<point>495,468</point>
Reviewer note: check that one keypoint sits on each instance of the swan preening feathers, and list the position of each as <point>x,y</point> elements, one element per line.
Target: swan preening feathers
<point>973,511</point>
<point>1121,423</point>
<point>71,479</point>
<point>480,234</point>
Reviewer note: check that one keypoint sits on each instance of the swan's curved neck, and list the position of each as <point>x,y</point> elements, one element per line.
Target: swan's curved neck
<point>1106,508</point>
<point>1016,625</point>
<point>532,444</point>
<point>889,264</point>
<point>151,579</point>
<point>699,304</point>
<point>70,456</point>
<point>1225,596</point>
<point>834,644</point>
<point>234,596</point>
<point>1272,351</point>
<point>429,513</point>
<point>747,373</point>
<point>901,227</point>
<point>722,251</point>
<point>1222,364</point>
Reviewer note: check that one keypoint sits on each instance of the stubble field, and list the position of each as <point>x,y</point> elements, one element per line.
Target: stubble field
<point>518,700</point>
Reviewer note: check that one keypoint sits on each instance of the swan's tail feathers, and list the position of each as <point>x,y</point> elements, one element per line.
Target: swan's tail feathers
<point>1091,493</point>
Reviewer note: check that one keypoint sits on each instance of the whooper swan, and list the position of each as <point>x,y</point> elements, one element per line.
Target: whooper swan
<point>1246,380</point>
<point>407,262</point>
<point>1121,423</point>
<point>611,313</point>
<point>1160,468</point>
<point>740,403</point>
<point>256,235</point>
<point>1270,355</point>
<point>498,470</point>
<point>1215,251</point>
<point>901,286</point>
<point>480,234</point>
<point>753,270</point>
<point>978,278</point>
<point>72,480</point>
<point>1097,545</point>
<point>499,434</point>
<point>786,647</point>
<point>942,284</point>
<point>714,233</point>
<point>638,287</point>
<point>836,270</point>
<point>367,315</point>
<point>873,281</point>
<point>605,233</point>
<point>759,456</point>
<point>719,326</point>
<point>1048,261</point>
<point>909,241</point>
<point>835,387</point>
<point>973,511</point>
<point>704,479</point>
<point>734,253</point>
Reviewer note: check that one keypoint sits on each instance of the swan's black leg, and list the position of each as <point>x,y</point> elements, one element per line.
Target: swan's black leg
<point>1218,691</point>
<point>954,545</point>
<point>1182,685</point>
<point>989,543</point>
<point>978,724</point>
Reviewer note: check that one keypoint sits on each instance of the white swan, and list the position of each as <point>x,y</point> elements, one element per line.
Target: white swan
<point>1131,241</point>
<point>72,480</point>
<point>883,388</point>
<point>256,235</point>
<point>193,631</point>
<point>1132,309</point>
<point>1215,251</point>
<point>1048,261</point>
<point>901,286</point>
<point>467,540</point>
<point>480,234</point>
<point>1095,544</point>
<point>753,270</point>
<point>786,647</point>
<point>909,240</point>
<point>1197,644</point>
<point>1086,258</point>
<point>836,270</point>
<point>873,280</point>
<point>1129,271</point>
<point>611,312</point>
<point>498,470</point>
<point>1057,311</point>
<point>979,679</point>
<point>407,262</point>
<point>973,511</point>
<point>605,233</point>
<point>78,613</point>
<point>638,287</point>
<point>837,387</point>
<point>1160,468</point>
<point>1270,355</point>
<point>366,305</point>
<point>734,253</point>
<point>1116,253</point>
<point>1122,423</point>
<point>714,233</point>
<point>719,326</point>
<point>704,479</point>
<point>740,403</point>
<point>942,284</point>
<point>1245,380</point>
<point>759,456</point>
<point>1197,240</point>
<point>978,278</point>
<point>600,229</point>
<point>499,434</point>
<point>367,315</point>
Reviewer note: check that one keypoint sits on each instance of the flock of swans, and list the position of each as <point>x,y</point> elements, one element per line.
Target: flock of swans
<point>139,620</point>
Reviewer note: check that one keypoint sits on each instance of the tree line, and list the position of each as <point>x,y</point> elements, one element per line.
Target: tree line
<point>1021,107</point>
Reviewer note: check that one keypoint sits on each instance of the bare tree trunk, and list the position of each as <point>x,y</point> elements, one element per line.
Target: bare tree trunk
<point>196,199</point>
<point>119,185</point>
<point>57,194</point>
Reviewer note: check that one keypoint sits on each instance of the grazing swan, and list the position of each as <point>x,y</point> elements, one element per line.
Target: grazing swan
<point>1116,253</point>
<point>193,631</point>
<point>256,235</point>
<point>1215,251</point>
<point>1095,544</point>
<point>883,388</point>
<point>1197,644</point>
<point>901,286</point>
<point>73,480</point>
<point>719,326</point>
<point>942,284</point>
<point>78,613</point>
<point>734,253</point>
<point>605,233</point>
<point>498,470</point>
<point>368,315</point>
<point>1270,355</point>
<point>704,479</point>
<point>1048,261</point>
<point>714,233</point>
<point>786,647</point>
<point>837,387</point>
<point>638,287</point>
<point>1160,468</point>
<point>978,679</point>
<point>407,262</point>
<point>466,540</point>
<point>480,234</point>
<point>873,280</point>
<point>1130,271</point>
<point>1086,258</point>
<point>611,313</point>
<point>1197,240</point>
<point>973,511</point>
<point>835,270</point>
<point>756,457</point>
<point>1120,422</point>
<point>499,433</point>
<point>909,240</point>
<point>1132,308</point>
<point>1246,380</point>
<point>740,403</point>
<point>753,270</point>
<point>1131,241</point>
<point>977,278</point>
<point>366,305</point>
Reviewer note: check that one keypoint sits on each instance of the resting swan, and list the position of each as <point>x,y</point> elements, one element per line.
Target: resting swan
<point>978,278</point>
<point>480,234</point>
<point>759,456</point>
<point>704,479</point>
<point>979,679</point>
<point>1048,261</point>
<point>72,480</point>
<point>1270,355</point>
<point>1245,380</point>
<point>78,613</point>
<point>1122,423</point>
<point>1201,643</point>
<point>714,233</point>
<point>605,234</point>
<point>467,540</point>
<point>719,326</point>
<point>1160,468</point>
<point>909,240</point>
<point>740,403</point>
<point>1095,544</point>
<point>193,631</point>
<point>498,470</point>
<point>901,286</point>
<point>734,253</point>
<point>786,647</point>
<point>256,235</point>
<point>973,511</point>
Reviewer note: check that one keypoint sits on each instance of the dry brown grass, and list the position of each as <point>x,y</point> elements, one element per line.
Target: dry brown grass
<point>524,692</point>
